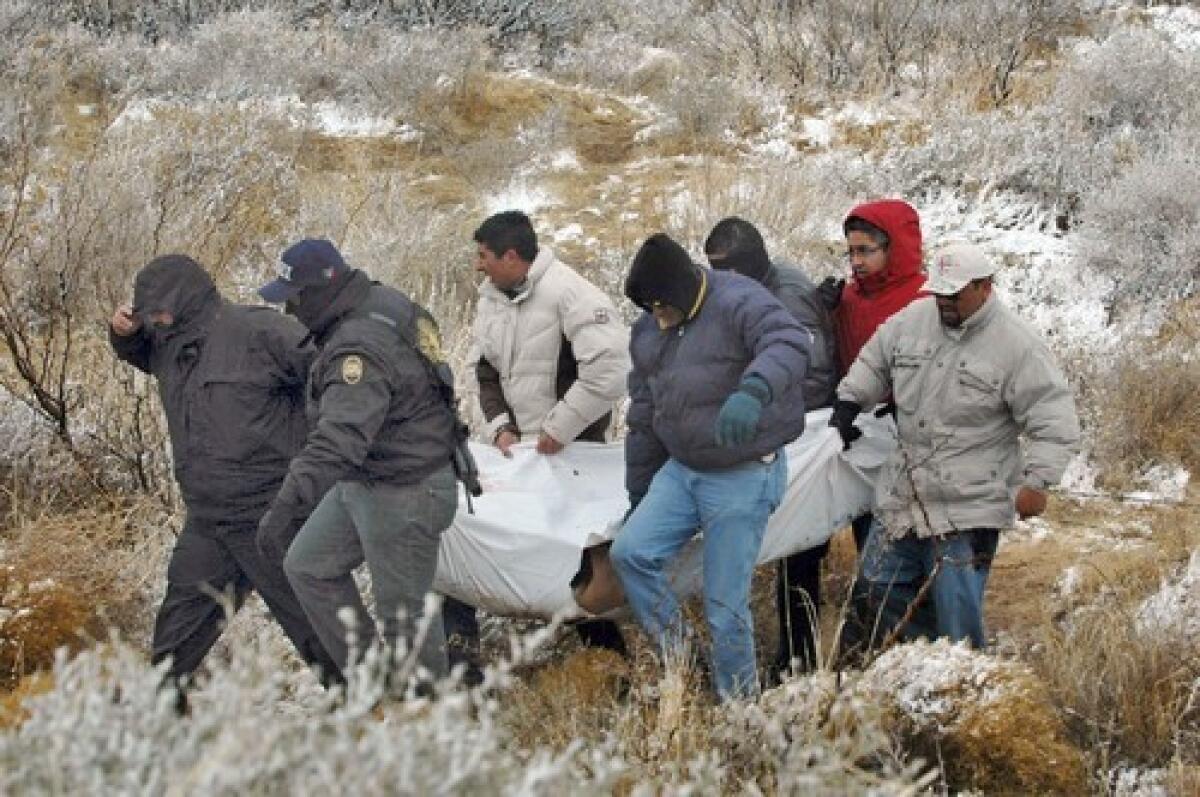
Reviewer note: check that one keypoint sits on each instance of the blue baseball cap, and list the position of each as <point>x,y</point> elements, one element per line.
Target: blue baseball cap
<point>308,263</point>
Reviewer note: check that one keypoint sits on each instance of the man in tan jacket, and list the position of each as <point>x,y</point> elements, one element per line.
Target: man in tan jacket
<point>969,378</point>
<point>551,355</point>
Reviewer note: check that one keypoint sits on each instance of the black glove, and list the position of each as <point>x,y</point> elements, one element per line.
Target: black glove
<point>830,292</point>
<point>886,409</point>
<point>844,413</point>
<point>276,530</point>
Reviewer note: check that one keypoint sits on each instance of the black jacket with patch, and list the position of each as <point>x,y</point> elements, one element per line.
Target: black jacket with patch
<point>373,404</point>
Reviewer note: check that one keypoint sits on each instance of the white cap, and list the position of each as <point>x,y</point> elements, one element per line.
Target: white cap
<point>954,265</point>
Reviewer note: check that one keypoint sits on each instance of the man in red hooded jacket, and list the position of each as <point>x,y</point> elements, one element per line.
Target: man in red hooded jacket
<point>883,245</point>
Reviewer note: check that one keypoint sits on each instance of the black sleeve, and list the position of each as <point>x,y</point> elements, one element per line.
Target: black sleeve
<point>133,349</point>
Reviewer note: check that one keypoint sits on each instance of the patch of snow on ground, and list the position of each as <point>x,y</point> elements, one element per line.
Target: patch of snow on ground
<point>817,132</point>
<point>1068,583</point>
<point>1129,782</point>
<point>1080,475</point>
<point>1180,24</point>
<point>565,160</point>
<point>1163,483</point>
<point>1039,277</point>
<point>935,684</point>
<point>337,121</point>
<point>1175,609</point>
<point>572,232</point>
<point>519,195</point>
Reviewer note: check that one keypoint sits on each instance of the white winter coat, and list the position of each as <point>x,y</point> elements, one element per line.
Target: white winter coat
<point>521,337</point>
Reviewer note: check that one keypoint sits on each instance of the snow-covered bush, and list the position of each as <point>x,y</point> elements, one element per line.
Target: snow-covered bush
<point>1132,81</point>
<point>1143,228</point>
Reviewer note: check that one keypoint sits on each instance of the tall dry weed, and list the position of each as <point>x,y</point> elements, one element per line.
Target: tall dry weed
<point>1128,697</point>
<point>1147,407</point>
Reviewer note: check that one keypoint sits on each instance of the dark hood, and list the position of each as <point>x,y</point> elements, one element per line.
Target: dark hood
<point>663,273</point>
<point>900,221</point>
<point>178,285</point>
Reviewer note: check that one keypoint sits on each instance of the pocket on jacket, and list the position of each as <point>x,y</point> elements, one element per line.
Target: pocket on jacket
<point>976,393</point>
<point>240,414</point>
<point>909,363</point>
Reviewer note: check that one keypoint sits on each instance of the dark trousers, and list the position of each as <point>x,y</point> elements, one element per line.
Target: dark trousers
<point>798,600</point>
<point>461,624</point>
<point>213,568</point>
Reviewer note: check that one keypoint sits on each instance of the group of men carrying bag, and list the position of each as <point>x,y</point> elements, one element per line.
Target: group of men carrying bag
<point>303,450</point>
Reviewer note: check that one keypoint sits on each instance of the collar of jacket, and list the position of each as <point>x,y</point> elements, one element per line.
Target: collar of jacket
<point>354,289</point>
<point>537,269</point>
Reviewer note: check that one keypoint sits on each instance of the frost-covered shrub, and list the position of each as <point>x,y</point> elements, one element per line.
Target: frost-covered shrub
<point>1143,228</point>
<point>991,719</point>
<point>1134,80</point>
<point>251,54</point>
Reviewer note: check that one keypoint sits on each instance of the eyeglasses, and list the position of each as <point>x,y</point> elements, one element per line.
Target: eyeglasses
<point>861,251</point>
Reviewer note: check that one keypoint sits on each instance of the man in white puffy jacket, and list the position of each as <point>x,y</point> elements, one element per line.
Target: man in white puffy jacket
<point>969,379</point>
<point>551,356</point>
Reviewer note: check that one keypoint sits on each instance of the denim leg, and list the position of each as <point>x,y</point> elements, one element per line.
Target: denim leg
<point>320,565</point>
<point>958,589</point>
<point>663,522</point>
<point>890,575</point>
<point>400,528</point>
<point>734,508</point>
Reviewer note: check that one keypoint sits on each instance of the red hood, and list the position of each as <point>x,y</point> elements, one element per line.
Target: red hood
<point>867,303</point>
<point>899,220</point>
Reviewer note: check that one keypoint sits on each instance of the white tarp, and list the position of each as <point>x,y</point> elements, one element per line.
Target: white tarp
<point>516,554</point>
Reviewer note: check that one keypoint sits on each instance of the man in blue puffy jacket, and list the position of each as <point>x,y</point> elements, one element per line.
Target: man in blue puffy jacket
<point>715,392</point>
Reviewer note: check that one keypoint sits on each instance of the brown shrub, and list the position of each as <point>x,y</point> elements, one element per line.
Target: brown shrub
<point>1128,696</point>
<point>12,704</point>
<point>1147,405</point>
<point>67,580</point>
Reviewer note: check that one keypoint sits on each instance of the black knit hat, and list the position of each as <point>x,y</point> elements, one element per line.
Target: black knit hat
<point>662,273</point>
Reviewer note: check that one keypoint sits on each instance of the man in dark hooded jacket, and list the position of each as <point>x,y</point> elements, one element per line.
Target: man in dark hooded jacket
<point>231,379</point>
<point>736,245</point>
<point>375,472</point>
<point>716,391</point>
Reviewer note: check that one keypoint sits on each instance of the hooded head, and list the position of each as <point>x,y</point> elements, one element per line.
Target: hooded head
<point>901,230</point>
<point>736,245</point>
<point>311,273</point>
<point>662,275</point>
<point>171,294</point>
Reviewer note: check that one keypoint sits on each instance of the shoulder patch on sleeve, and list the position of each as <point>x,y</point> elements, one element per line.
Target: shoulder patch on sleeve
<point>352,369</point>
<point>429,340</point>
<point>601,315</point>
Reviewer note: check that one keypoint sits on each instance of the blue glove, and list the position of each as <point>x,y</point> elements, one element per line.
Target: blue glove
<point>738,420</point>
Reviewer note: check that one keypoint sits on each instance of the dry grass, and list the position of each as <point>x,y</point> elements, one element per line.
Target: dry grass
<point>67,580</point>
<point>12,703</point>
<point>1149,402</point>
<point>571,699</point>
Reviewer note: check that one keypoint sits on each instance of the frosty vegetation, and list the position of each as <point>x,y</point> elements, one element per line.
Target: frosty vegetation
<point>1061,134</point>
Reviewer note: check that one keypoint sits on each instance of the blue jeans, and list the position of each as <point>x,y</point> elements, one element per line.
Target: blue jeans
<point>731,508</point>
<point>894,570</point>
